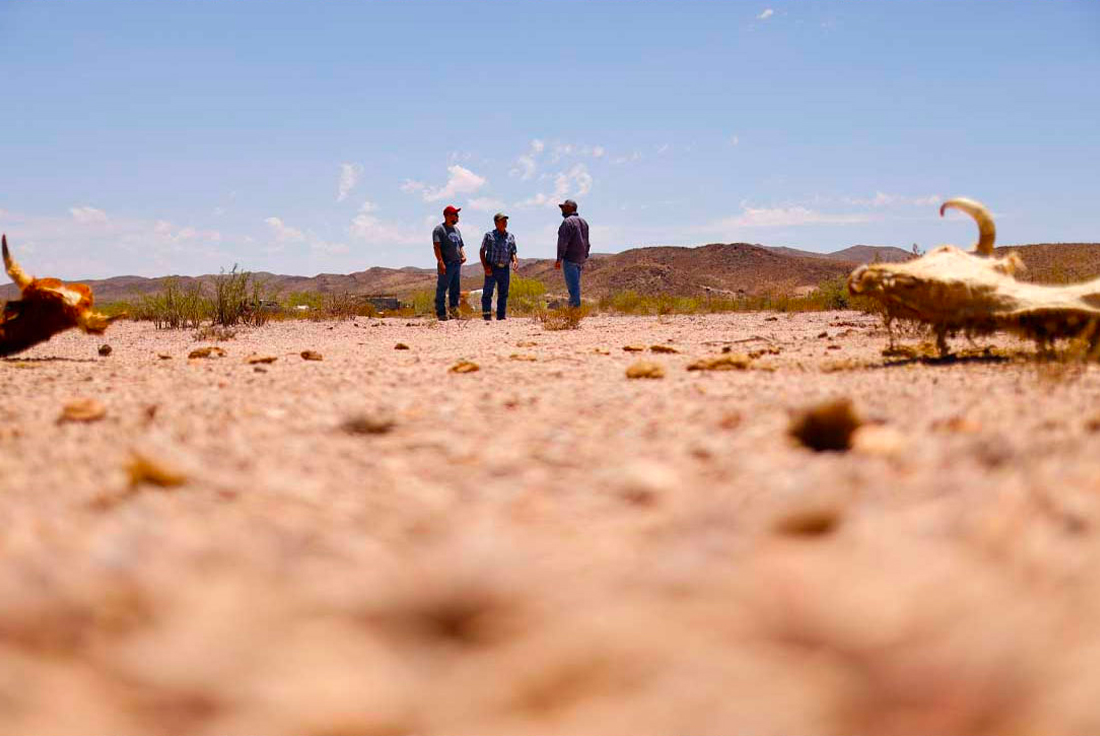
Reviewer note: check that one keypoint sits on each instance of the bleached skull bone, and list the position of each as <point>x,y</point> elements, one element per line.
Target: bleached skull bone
<point>976,292</point>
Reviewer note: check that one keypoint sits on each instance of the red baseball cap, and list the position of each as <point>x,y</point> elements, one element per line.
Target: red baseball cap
<point>451,210</point>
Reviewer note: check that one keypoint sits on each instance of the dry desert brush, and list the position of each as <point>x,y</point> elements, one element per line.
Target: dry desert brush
<point>566,318</point>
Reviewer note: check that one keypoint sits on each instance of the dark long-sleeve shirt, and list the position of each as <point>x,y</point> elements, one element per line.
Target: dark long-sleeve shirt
<point>573,242</point>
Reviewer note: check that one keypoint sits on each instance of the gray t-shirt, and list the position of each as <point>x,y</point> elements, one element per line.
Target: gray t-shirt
<point>449,240</point>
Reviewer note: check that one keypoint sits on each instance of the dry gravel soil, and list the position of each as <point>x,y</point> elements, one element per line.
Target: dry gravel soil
<point>372,544</point>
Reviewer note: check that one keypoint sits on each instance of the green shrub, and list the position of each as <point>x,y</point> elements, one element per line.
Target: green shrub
<point>174,307</point>
<point>525,296</point>
<point>239,298</point>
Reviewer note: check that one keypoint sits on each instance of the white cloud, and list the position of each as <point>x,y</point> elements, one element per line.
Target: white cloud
<point>538,200</point>
<point>566,150</point>
<point>371,230</point>
<point>788,217</point>
<point>768,13</point>
<point>349,177</point>
<point>88,215</point>
<point>368,206</point>
<point>630,158</point>
<point>461,181</point>
<point>485,204</point>
<point>882,199</point>
<point>524,168</point>
<point>662,149</point>
<point>283,233</point>
<point>527,164</point>
<point>166,233</point>
<point>734,140</point>
<point>411,187</point>
<point>580,176</point>
<point>575,182</point>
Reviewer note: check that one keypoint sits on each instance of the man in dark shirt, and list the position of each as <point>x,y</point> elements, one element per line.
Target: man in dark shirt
<point>450,254</point>
<point>498,252</point>
<point>573,249</point>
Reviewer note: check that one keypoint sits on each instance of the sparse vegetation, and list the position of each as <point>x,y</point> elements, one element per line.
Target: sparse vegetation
<point>566,318</point>
<point>829,295</point>
<point>175,306</point>
<point>525,296</point>
<point>240,298</point>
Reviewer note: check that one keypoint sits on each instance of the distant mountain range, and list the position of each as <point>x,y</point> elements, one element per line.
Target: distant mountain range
<point>730,268</point>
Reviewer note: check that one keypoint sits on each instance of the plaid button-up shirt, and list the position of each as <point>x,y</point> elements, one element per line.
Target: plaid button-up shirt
<point>498,248</point>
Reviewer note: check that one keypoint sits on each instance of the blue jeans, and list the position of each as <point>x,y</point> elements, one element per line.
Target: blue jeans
<point>501,276</point>
<point>572,273</point>
<point>447,282</point>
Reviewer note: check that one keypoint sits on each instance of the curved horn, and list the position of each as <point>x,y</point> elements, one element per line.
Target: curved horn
<point>17,274</point>
<point>987,231</point>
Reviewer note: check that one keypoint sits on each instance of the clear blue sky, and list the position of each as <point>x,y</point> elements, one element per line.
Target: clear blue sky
<point>304,137</point>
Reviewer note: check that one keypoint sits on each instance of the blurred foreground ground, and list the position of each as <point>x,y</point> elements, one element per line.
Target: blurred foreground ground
<point>544,546</point>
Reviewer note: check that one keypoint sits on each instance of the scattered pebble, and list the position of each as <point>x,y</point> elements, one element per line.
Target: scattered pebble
<point>378,422</point>
<point>601,351</point>
<point>164,356</point>
<point>155,471</point>
<point>82,410</point>
<point>730,420</point>
<point>522,357</point>
<point>465,366</point>
<point>254,359</point>
<point>728,362</point>
<point>877,439</point>
<point>645,369</point>
<point>208,352</point>
<point>826,426</point>
<point>311,355</point>
<point>809,522</point>
<point>644,482</point>
<point>400,346</point>
<point>663,349</point>
<point>104,350</point>
<point>633,348</point>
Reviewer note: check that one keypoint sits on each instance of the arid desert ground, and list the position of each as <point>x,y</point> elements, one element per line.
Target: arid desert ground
<point>372,544</point>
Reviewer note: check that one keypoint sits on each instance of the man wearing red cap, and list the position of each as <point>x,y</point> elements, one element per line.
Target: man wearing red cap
<point>450,254</point>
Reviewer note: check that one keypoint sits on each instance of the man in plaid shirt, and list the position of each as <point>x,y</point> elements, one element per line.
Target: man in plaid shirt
<point>498,252</point>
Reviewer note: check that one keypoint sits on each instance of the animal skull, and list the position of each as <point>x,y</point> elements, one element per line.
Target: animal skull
<point>977,293</point>
<point>45,308</point>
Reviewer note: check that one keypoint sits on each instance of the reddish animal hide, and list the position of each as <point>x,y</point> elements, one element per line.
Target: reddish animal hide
<point>45,308</point>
